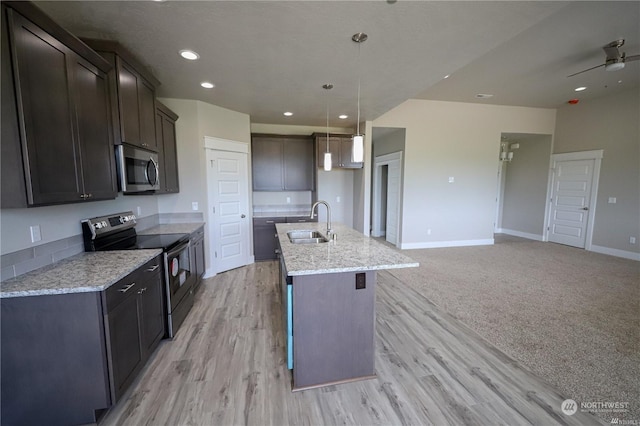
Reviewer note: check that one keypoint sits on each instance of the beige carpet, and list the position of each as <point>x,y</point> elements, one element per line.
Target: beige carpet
<point>570,316</point>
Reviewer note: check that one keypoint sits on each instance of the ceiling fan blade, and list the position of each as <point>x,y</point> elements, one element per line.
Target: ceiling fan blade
<point>588,69</point>
<point>632,58</point>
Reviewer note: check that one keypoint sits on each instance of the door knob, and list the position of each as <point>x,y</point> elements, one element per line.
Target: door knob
<point>242,216</point>
<point>585,208</point>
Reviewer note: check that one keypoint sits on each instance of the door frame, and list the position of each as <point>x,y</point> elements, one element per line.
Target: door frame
<point>596,156</point>
<point>218,144</point>
<point>379,162</point>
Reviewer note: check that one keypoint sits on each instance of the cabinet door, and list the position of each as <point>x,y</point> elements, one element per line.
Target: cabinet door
<point>146,101</point>
<point>152,318</point>
<point>128,104</point>
<point>346,149</point>
<point>298,164</point>
<point>45,110</point>
<point>265,239</point>
<point>199,258</point>
<point>124,344</point>
<point>167,152</point>
<point>266,163</point>
<point>334,149</point>
<point>94,132</point>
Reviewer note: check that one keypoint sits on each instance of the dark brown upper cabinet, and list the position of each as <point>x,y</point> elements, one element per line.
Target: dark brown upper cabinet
<point>57,144</point>
<point>282,163</point>
<point>340,147</point>
<point>133,95</point>
<point>167,149</point>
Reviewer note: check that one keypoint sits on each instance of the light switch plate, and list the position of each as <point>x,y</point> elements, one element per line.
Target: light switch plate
<point>452,179</point>
<point>612,200</point>
<point>35,233</point>
<point>194,206</point>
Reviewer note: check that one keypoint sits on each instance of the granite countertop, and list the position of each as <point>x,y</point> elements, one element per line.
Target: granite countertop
<point>173,228</point>
<point>82,273</point>
<point>351,251</point>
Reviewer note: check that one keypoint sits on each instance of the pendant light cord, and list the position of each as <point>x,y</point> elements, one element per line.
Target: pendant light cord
<point>358,122</point>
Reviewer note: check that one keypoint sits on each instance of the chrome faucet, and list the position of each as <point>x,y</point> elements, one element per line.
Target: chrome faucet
<point>329,231</point>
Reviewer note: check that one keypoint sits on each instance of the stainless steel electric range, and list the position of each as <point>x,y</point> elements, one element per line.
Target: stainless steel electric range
<point>117,232</point>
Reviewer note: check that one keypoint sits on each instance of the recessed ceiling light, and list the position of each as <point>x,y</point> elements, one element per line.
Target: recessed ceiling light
<point>288,114</point>
<point>580,89</point>
<point>483,96</point>
<point>207,85</point>
<point>189,54</point>
<point>343,116</point>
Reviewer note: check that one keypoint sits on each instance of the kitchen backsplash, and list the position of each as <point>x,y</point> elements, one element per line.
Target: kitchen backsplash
<point>281,210</point>
<point>26,260</point>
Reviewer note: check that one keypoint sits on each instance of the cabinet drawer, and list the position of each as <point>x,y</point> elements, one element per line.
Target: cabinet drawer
<point>268,221</point>
<point>301,219</point>
<point>132,283</point>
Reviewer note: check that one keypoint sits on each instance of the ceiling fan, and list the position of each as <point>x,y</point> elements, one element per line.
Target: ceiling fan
<point>615,60</point>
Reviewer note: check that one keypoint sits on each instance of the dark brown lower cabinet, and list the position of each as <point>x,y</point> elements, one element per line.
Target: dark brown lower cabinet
<point>265,237</point>
<point>197,255</point>
<point>67,358</point>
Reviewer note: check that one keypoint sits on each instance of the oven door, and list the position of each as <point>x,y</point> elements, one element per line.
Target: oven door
<point>138,170</point>
<point>178,274</point>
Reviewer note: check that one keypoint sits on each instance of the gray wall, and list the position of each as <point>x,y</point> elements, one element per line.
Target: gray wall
<point>525,185</point>
<point>612,124</point>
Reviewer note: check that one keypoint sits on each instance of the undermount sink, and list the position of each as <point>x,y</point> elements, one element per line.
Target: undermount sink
<point>306,237</point>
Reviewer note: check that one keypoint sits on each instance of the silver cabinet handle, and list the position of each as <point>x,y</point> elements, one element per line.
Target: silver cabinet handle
<point>142,290</point>
<point>153,268</point>
<point>270,221</point>
<point>126,288</point>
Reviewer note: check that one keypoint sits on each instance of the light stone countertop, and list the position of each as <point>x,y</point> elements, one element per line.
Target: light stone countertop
<point>352,251</point>
<point>172,228</point>
<point>82,273</point>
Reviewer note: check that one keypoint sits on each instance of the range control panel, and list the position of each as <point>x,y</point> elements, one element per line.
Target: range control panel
<point>110,223</point>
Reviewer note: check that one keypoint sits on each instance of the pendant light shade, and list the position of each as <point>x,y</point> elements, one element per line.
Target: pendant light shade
<point>327,154</point>
<point>358,149</point>
<point>357,152</point>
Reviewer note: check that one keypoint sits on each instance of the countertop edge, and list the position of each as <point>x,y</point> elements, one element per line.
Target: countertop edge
<point>352,269</point>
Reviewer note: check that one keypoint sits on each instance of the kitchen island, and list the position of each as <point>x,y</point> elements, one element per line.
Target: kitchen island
<point>328,295</point>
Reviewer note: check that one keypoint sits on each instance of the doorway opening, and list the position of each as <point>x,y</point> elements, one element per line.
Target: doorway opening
<point>387,179</point>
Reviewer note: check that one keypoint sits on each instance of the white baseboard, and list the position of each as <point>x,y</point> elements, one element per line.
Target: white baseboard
<point>520,234</point>
<point>438,244</point>
<point>616,252</point>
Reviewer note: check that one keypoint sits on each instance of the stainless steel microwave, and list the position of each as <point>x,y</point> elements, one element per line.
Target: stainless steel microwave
<point>138,170</point>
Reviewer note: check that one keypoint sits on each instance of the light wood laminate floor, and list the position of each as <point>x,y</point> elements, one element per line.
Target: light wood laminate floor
<point>227,366</point>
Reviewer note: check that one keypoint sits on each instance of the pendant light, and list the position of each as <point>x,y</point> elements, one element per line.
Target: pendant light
<point>327,154</point>
<point>357,154</point>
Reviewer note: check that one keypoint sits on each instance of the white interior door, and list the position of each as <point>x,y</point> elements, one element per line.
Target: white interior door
<point>570,202</point>
<point>229,203</point>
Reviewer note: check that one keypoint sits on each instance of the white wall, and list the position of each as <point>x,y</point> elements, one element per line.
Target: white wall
<point>59,222</point>
<point>610,123</point>
<point>461,141</point>
<point>525,187</point>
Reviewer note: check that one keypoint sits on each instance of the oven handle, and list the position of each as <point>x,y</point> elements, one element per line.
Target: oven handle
<point>178,249</point>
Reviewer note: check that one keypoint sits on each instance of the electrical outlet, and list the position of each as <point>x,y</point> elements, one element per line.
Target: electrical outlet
<point>338,199</point>
<point>139,211</point>
<point>612,200</point>
<point>452,179</point>
<point>288,200</point>
<point>429,231</point>
<point>194,206</point>
<point>35,233</point>
<point>632,240</point>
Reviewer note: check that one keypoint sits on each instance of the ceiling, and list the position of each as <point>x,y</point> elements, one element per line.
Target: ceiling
<point>268,57</point>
